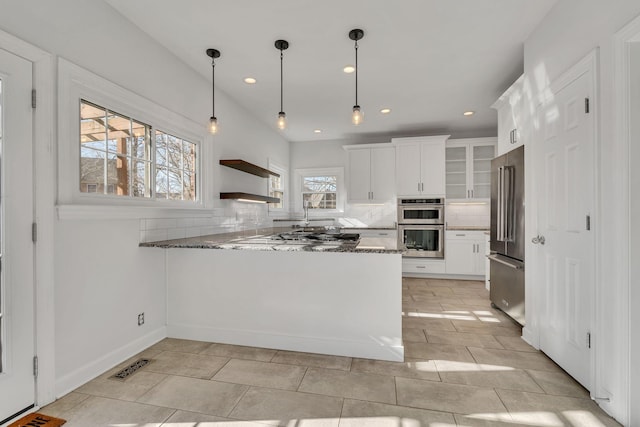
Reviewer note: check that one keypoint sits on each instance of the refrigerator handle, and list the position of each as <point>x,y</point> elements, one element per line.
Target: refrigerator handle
<point>500,213</point>
<point>509,208</point>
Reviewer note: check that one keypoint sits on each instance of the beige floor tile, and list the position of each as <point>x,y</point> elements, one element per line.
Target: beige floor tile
<point>240,352</point>
<point>461,399</point>
<point>428,323</point>
<point>410,368</point>
<point>460,338</point>
<point>261,374</point>
<point>414,335</point>
<point>486,376</point>
<point>497,419</point>
<point>559,383</point>
<point>60,407</point>
<point>149,353</point>
<point>479,328</point>
<point>130,389</point>
<point>421,306</point>
<point>426,351</point>
<point>288,408</point>
<point>184,346</point>
<point>515,343</point>
<point>103,412</point>
<point>196,395</point>
<point>187,364</point>
<point>514,359</point>
<point>355,385</point>
<point>194,419</point>
<point>545,410</point>
<point>438,299</point>
<point>311,359</point>
<point>356,413</point>
<point>484,324</point>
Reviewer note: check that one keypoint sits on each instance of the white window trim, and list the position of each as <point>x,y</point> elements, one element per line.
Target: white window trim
<point>76,83</point>
<point>284,176</point>
<point>340,193</point>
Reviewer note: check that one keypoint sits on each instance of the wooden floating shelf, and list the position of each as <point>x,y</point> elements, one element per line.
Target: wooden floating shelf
<point>247,167</point>
<point>249,197</point>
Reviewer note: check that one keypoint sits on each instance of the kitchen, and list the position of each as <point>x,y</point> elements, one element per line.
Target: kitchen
<point>89,289</point>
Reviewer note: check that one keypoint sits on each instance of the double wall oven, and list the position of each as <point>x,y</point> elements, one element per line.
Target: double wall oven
<point>421,227</point>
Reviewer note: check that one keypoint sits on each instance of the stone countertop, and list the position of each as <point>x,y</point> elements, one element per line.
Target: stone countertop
<point>467,228</point>
<point>373,227</point>
<point>256,241</point>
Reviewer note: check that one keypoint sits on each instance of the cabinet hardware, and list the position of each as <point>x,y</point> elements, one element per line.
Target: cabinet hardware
<point>418,187</point>
<point>460,235</point>
<point>588,222</point>
<point>420,266</point>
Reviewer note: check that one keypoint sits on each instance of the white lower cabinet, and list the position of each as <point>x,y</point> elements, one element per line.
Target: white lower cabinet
<point>423,266</point>
<point>464,252</point>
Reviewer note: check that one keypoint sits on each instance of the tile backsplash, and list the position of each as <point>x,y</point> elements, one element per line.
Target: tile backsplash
<point>231,217</point>
<point>468,214</point>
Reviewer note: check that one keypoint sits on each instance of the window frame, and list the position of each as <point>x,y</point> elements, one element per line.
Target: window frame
<point>300,174</point>
<point>284,180</point>
<point>76,84</point>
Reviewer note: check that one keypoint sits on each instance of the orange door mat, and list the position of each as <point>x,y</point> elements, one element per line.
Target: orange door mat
<point>38,420</point>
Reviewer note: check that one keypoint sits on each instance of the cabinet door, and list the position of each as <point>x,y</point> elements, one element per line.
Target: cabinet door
<point>383,174</point>
<point>460,256</point>
<point>505,126</point>
<point>480,257</point>
<point>433,170</point>
<point>456,172</point>
<point>359,175</point>
<point>408,169</point>
<point>481,156</point>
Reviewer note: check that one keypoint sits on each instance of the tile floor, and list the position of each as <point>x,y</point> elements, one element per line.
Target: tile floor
<point>465,365</point>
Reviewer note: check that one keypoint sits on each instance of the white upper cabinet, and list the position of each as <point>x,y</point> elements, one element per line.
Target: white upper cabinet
<point>511,117</point>
<point>372,173</point>
<point>468,168</point>
<point>420,166</point>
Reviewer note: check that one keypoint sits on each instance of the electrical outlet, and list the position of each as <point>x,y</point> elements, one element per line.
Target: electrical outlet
<point>140,319</point>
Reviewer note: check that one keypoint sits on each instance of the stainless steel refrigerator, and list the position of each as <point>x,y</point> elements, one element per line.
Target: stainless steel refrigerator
<point>507,234</point>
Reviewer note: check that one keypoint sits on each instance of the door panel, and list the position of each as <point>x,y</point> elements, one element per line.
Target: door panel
<point>564,159</point>
<point>359,175</point>
<point>16,214</point>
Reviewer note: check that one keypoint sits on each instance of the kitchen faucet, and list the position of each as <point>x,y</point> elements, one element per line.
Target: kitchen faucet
<point>305,206</point>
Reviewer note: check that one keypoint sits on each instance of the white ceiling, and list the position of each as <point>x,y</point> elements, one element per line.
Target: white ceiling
<point>427,60</point>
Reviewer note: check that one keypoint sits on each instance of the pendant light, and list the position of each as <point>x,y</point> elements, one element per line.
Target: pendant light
<point>282,117</point>
<point>213,121</point>
<point>356,116</point>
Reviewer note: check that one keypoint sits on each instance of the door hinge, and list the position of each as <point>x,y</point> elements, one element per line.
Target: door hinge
<point>33,98</point>
<point>35,366</point>
<point>588,222</point>
<point>586,105</point>
<point>34,232</point>
<point>588,339</point>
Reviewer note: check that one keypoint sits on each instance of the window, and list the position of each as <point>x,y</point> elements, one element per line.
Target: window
<point>117,158</point>
<point>277,185</point>
<point>320,192</point>
<point>175,168</point>
<point>322,188</point>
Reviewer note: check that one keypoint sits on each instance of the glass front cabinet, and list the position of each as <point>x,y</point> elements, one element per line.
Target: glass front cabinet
<point>468,168</point>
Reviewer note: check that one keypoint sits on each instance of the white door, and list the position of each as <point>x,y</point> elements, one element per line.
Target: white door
<point>383,174</point>
<point>359,175</point>
<point>17,386</point>
<point>564,165</point>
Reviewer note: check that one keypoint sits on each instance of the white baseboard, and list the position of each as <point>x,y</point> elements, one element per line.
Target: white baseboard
<point>442,276</point>
<point>337,347</point>
<point>94,368</point>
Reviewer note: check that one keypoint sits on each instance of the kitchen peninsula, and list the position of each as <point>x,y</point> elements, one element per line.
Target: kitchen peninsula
<point>311,293</point>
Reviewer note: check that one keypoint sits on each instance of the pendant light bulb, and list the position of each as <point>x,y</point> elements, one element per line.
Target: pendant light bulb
<point>357,116</point>
<point>213,125</point>
<point>213,121</point>
<point>282,120</point>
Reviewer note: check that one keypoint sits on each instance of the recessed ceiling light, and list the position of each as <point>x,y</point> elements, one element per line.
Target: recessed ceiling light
<point>317,131</point>
<point>385,110</point>
<point>469,113</point>
<point>250,80</point>
<point>349,69</point>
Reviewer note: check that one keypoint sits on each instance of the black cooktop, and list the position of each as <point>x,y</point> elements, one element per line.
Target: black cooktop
<point>318,236</point>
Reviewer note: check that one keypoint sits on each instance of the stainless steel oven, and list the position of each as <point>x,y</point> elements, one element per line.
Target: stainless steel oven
<point>423,241</point>
<point>421,227</point>
<point>420,211</point>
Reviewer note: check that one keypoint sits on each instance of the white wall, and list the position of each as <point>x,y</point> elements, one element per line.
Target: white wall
<point>102,279</point>
<point>572,29</point>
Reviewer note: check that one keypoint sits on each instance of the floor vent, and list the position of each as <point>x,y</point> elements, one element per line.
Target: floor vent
<point>130,370</point>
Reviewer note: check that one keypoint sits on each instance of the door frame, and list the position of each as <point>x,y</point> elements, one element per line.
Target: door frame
<point>44,155</point>
<point>630,386</point>
<point>534,294</point>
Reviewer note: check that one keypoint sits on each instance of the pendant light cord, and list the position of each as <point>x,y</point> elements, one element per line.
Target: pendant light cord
<point>281,84</point>
<point>213,89</point>
<point>356,72</point>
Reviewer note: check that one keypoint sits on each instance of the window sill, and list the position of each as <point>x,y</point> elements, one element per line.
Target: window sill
<point>96,212</point>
